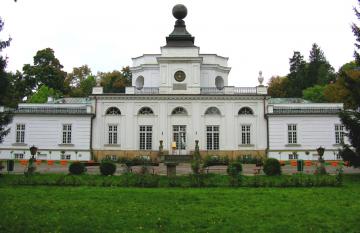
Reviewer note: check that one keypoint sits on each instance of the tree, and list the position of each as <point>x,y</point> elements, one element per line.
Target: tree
<point>351,118</point>
<point>356,31</point>
<point>277,87</point>
<point>85,87</point>
<point>297,75</point>
<point>315,94</point>
<point>77,75</point>
<point>41,96</point>
<point>5,117</point>
<point>46,70</point>
<point>116,81</point>
<point>319,70</point>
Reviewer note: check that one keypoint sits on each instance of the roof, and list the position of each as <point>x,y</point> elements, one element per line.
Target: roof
<point>288,101</point>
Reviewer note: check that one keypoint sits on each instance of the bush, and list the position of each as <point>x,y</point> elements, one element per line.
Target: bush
<point>195,166</point>
<point>234,168</point>
<point>77,168</point>
<point>107,168</point>
<point>215,160</point>
<point>272,167</point>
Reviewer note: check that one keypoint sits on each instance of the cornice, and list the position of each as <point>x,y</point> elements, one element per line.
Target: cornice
<point>179,97</point>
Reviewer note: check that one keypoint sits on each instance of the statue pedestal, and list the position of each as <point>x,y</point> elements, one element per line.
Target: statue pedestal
<point>171,168</point>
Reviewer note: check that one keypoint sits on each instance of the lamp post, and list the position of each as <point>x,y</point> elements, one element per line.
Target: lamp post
<point>31,165</point>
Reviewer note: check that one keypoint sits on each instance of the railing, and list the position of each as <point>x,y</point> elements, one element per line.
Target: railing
<point>54,110</point>
<point>212,90</point>
<point>178,158</point>
<point>244,90</point>
<point>147,90</point>
<point>309,110</point>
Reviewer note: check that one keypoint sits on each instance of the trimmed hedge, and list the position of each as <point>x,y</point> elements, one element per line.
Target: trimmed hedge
<point>272,167</point>
<point>77,168</point>
<point>158,181</point>
<point>107,168</point>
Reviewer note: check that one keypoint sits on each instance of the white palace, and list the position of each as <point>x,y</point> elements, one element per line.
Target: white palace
<point>177,97</point>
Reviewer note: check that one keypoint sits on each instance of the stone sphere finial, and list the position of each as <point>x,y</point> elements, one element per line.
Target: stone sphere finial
<point>179,11</point>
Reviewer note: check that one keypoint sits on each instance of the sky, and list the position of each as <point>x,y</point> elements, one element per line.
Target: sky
<point>105,34</point>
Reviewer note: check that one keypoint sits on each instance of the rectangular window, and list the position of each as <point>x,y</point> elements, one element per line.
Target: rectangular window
<point>292,135</point>
<point>179,136</point>
<point>19,156</point>
<point>339,134</point>
<point>293,156</point>
<point>245,134</point>
<point>66,134</point>
<point>338,157</point>
<point>65,157</point>
<point>20,133</point>
<point>113,134</point>
<point>145,137</point>
<point>212,137</point>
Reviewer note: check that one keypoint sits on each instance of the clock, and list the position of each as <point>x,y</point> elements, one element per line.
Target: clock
<point>179,76</point>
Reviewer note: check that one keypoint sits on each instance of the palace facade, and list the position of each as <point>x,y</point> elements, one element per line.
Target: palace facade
<point>177,97</point>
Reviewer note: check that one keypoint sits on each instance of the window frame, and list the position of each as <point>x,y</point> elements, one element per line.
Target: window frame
<point>20,133</point>
<point>292,133</point>
<point>339,134</point>
<point>112,133</point>
<point>245,132</point>
<point>145,137</point>
<point>66,133</point>
<point>212,137</point>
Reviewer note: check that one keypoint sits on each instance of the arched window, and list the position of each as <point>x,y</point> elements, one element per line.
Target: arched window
<point>212,111</point>
<point>139,83</point>
<point>145,111</point>
<point>113,111</point>
<point>219,82</point>
<point>179,111</point>
<point>246,111</point>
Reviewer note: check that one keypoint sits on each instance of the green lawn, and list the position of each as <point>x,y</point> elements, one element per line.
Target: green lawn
<point>105,209</point>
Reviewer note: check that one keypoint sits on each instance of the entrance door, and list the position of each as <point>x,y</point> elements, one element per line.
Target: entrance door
<point>179,137</point>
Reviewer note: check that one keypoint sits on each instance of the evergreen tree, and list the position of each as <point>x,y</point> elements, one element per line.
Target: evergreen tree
<point>297,75</point>
<point>356,31</point>
<point>319,71</point>
<point>5,117</point>
<point>351,119</point>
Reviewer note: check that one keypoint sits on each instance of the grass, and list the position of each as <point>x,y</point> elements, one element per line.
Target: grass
<point>113,209</point>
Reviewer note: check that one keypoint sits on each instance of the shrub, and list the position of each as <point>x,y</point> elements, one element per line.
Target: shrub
<point>215,160</point>
<point>77,168</point>
<point>107,168</point>
<point>272,167</point>
<point>234,168</point>
<point>195,166</point>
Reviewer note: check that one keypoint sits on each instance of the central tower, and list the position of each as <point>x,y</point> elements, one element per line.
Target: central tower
<point>179,61</point>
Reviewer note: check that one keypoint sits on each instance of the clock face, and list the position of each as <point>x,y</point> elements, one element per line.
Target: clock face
<point>179,76</point>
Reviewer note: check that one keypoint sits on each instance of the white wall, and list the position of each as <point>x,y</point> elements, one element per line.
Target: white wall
<point>162,121</point>
<point>313,131</point>
<point>45,132</point>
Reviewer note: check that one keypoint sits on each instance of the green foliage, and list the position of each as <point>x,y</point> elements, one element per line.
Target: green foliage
<point>248,159</point>
<point>351,121</point>
<point>77,168</point>
<point>5,117</point>
<point>277,87</point>
<point>272,167</point>
<point>234,168</point>
<point>315,94</point>
<point>196,166</point>
<point>42,95</point>
<point>116,81</point>
<point>356,31</point>
<point>46,70</point>
<point>107,168</point>
<point>213,160</point>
